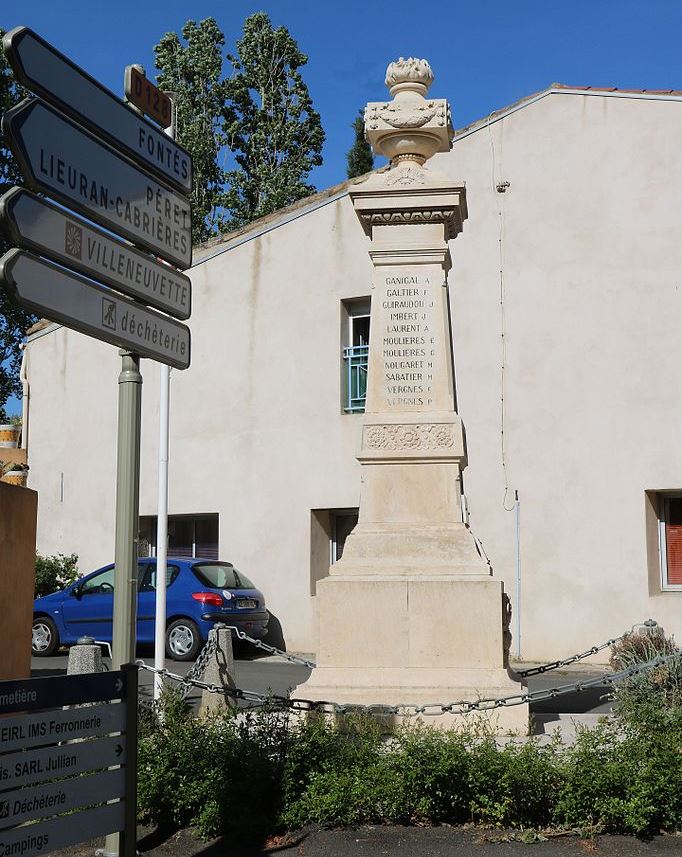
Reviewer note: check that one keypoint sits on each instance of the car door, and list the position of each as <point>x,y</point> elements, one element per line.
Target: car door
<point>146,598</point>
<point>88,609</point>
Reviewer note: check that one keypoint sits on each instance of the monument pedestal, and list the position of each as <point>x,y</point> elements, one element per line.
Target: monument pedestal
<point>411,613</point>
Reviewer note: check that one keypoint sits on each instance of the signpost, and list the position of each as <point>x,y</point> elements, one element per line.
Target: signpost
<point>59,158</point>
<point>47,290</point>
<point>41,226</point>
<point>45,71</point>
<point>95,154</point>
<point>91,778</point>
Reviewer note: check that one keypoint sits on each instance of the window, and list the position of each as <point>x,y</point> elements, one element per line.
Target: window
<point>329,529</point>
<point>221,576</point>
<point>670,540</point>
<point>355,338</point>
<point>147,576</point>
<point>99,584</point>
<point>188,536</point>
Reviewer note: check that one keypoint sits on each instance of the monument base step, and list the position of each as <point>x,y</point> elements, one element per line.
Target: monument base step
<point>395,686</point>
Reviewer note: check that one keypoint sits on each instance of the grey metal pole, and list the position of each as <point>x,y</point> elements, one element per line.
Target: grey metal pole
<point>127,527</point>
<point>127,510</point>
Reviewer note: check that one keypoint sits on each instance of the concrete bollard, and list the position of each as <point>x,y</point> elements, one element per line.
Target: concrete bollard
<point>84,657</point>
<point>219,671</point>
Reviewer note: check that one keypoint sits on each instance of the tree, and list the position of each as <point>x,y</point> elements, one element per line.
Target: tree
<point>274,132</point>
<point>359,158</point>
<point>194,71</point>
<point>14,321</point>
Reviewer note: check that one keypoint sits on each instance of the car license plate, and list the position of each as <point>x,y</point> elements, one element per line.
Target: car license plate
<point>246,603</point>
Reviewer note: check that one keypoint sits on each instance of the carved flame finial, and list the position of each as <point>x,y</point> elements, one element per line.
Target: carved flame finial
<point>410,128</point>
<point>409,75</point>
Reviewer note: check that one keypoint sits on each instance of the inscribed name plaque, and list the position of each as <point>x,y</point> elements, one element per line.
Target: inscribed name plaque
<point>409,366</point>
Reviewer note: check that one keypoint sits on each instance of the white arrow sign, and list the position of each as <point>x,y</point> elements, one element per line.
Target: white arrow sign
<point>66,162</point>
<point>36,224</point>
<point>50,74</point>
<point>57,294</point>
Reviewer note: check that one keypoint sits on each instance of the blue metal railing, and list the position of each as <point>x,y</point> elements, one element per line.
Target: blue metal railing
<point>356,357</point>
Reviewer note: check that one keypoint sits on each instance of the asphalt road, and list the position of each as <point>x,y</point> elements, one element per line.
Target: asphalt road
<point>395,841</point>
<point>252,672</point>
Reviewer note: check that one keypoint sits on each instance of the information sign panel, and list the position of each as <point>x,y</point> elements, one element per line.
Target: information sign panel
<point>48,73</point>
<point>36,224</point>
<point>67,298</point>
<point>51,798</point>
<point>149,98</point>
<point>33,839</point>
<point>66,162</point>
<point>50,795</point>
<point>32,693</point>
<point>33,730</point>
<point>64,760</point>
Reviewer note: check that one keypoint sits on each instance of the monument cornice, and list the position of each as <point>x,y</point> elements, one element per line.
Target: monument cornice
<point>390,256</point>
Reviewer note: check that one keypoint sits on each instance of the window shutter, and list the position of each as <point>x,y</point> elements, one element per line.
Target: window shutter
<point>673,542</point>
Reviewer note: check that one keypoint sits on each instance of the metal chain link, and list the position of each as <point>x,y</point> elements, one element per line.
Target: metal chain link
<point>431,709</point>
<point>259,644</point>
<point>649,624</point>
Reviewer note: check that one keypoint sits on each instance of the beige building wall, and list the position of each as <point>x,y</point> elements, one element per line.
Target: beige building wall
<point>583,246</point>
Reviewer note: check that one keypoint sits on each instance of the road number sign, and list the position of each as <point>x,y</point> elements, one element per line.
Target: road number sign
<point>71,300</point>
<point>36,224</point>
<point>48,73</point>
<point>149,98</point>
<point>66,162</point>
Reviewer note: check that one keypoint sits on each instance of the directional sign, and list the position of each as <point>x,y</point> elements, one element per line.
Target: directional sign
<point>37,839</point>
<point>41,801</point>
<point>32,730</point>
<point>36,224</point>
<point>66,162</point>
<point>149,98</point>
<point>31,694</point>
<point>35,766</point>
<point>45,71</point>
<point>57,294</point>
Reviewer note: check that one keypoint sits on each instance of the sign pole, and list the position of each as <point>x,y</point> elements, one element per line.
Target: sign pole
<point>162,510</point>
<point>127,528</point>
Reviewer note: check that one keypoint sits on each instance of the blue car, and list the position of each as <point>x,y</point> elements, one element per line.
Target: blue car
<point>199,593</point>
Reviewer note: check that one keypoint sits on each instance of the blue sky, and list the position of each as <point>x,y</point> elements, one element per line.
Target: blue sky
<point>485,53</point>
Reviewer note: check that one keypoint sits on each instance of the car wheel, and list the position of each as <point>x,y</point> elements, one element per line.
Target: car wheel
<point>44,637</point>
<point>183,640</point>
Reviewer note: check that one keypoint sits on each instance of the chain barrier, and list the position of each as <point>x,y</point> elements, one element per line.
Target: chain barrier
<point>649,625</point>
<point>432,709</point>
<point>259,644</point>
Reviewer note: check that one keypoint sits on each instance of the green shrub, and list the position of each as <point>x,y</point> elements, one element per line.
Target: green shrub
<point>637,698</point>
<point>54,573</point>
<point>261,771</point>
<point>219,774</point>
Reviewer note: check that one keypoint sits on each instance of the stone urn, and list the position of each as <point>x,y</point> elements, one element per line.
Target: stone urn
<point>16,477</point>
<point>9,436</point>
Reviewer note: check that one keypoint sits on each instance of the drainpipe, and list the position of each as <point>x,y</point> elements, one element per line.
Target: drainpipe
<point>23,375</point>
<point>517,504</point>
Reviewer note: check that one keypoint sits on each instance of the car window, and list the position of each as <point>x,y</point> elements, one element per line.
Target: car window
<point>99,584</point>
<point>147,580</point>
<point>221,575</point>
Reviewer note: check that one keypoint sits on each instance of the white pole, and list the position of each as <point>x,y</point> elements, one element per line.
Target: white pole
<point>162,509</point>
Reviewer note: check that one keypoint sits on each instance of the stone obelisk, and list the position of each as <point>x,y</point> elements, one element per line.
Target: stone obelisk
<point>411,613</point>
